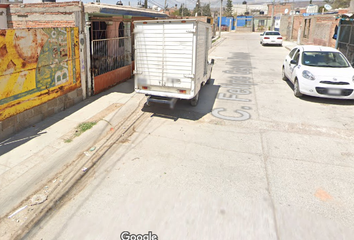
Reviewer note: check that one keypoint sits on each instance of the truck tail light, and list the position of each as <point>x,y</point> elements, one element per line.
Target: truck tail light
<point>266,37</point>
<point>144,87</point>
<point>182,91</point>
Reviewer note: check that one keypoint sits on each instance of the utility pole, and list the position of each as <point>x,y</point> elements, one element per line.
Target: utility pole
<point>182,10</point>
<point>164,10</point>
<point>220,18</point>
<point>272,26</point>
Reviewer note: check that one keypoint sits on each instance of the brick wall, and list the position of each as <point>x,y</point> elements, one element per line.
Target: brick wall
<point>320,31</point>
<point>41,15</point>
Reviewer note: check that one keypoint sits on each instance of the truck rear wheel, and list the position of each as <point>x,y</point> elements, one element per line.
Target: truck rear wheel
<point>195,100</point>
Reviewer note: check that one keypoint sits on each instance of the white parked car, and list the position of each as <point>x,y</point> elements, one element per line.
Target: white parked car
<point>319,71</point>
<point>271,38</point>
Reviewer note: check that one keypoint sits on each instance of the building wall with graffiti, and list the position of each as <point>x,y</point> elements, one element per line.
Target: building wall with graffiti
<point>36,66</point>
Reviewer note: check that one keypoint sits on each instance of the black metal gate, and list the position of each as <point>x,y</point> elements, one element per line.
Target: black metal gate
<point>345,39</point>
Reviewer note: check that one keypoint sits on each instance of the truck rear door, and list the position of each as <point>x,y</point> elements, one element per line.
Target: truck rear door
<point>164,53</point>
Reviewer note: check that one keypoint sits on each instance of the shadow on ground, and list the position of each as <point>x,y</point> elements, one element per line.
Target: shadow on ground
<point>38,129</point>
<point>183,108</point>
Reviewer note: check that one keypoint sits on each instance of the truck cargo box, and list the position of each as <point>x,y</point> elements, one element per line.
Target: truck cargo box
<point>171,58</point>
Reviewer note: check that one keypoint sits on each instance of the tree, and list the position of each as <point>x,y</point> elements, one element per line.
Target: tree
<point>341,4</point>
<point>228,10</point>
<point>197,10</point>
<point>183,11</point>
<point>206,10</point>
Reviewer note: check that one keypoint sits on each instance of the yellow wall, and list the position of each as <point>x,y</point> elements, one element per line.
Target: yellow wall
<point>36,65</point>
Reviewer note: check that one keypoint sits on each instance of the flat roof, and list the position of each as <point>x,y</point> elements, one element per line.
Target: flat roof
<point>100,9</point>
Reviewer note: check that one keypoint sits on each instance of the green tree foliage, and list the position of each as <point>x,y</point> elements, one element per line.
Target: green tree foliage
<point>183,11</point>
<point>197,9</point>
<point>228,10</point>
<point>341,4</point>
<point>206,10</point>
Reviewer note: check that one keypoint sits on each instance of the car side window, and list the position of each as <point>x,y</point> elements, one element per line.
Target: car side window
<point>297,56</point>
<point>291,54</point>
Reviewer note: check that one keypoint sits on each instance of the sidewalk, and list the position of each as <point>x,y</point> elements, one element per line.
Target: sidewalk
<point>289,44</point>
<point>31,158</point>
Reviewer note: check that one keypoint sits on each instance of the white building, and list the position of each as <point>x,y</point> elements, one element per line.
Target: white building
<point>241,9</point>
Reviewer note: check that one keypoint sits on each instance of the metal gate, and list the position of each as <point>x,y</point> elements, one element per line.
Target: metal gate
<point>108,54</point>
<point>345,41</point>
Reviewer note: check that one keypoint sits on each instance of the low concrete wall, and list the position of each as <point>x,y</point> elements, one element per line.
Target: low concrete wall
<point>14,124</point>
<point>109,79</point>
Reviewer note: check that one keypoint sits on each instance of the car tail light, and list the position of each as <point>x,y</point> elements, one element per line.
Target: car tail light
<point>182,91</point>
<point>279,38</point>
<point>266,37</point>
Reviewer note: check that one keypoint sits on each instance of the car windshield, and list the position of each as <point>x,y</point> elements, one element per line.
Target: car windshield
<point>272,33</point>
<point>324,59</point>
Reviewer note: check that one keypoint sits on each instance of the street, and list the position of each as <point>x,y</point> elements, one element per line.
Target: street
<point>251,161</point>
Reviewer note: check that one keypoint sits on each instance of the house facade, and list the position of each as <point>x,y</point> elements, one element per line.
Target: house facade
<point>55,54</point>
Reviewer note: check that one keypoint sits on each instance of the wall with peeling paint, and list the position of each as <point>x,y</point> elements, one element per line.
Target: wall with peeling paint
<point>36,66</point>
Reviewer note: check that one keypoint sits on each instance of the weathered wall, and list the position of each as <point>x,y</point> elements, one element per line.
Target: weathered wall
<point>41,15</point>
<point>3,16</point>
<point>36,66</point>
<point>285,27</point>
<point>324,30</point>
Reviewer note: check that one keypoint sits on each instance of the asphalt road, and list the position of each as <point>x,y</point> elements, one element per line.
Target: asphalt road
<point>251,161</point>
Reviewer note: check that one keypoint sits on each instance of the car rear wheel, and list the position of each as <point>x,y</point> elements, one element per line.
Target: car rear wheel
<point>283,74</point>
<point>297,92</point>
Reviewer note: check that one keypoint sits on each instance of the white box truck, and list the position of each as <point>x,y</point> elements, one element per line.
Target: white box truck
<point>171,59</point>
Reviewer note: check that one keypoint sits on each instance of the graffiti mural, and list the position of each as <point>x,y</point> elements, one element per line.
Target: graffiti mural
<point>36,65</point>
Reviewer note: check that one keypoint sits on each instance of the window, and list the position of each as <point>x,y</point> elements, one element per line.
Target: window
<point>121,34</point>
<point>272,33</point>
<point>291,54</point>
<point>324,59</point>
<point>297,56</point>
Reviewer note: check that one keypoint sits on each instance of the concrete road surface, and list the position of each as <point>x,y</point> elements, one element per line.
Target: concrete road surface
<point>251,161</point>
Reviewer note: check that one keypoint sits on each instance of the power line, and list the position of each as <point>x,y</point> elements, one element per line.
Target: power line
<point>155,3</point>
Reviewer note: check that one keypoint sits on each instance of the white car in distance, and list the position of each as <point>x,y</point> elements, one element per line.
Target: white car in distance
<point>271,38</point>
<point>319,71</point>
